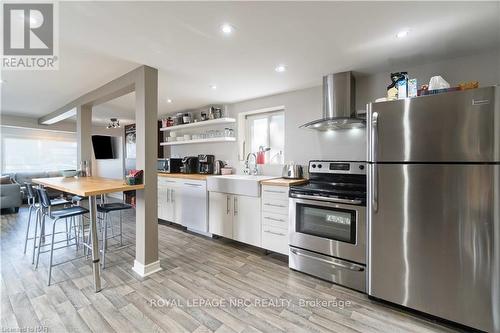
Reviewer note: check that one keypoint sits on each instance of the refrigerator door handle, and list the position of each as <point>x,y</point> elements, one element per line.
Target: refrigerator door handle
<point>374,138</point>
<point>374,173</point>
<point>374,177</point>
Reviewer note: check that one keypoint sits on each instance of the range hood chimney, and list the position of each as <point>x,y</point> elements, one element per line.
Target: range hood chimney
<point>338,104</point>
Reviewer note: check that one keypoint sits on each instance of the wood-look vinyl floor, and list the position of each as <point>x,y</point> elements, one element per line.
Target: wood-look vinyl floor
<point>196,269</point>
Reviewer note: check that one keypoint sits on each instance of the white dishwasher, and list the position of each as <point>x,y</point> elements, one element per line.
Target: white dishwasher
<point>194,205</point>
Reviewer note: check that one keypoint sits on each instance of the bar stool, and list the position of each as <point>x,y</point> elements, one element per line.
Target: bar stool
<point>31,195</point>
<point>106,209</point>
<point>64,213</point>
<point>33,206</point>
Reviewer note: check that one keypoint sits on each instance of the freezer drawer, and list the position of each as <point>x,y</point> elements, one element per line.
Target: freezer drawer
<point>462,126</point>
<point>434,233</point>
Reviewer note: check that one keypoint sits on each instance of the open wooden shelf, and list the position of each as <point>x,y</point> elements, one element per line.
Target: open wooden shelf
<point>212,122</point>
<point>186,142</point>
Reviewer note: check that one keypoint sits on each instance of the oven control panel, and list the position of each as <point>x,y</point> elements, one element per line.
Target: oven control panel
<point>337,167</point>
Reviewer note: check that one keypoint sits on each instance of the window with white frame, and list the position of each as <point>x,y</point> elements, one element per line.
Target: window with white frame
<point>265,133</point>
<point>26,149</point>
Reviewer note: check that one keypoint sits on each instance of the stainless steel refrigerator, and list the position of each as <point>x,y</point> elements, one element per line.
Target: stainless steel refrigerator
<point>434,205</point>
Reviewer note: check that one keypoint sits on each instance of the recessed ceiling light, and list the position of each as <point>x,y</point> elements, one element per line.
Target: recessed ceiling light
<point>213,87</point>
<point>227,28</point>
<point>169,100</point>
<point>280,68</point>
<point>403,33</point>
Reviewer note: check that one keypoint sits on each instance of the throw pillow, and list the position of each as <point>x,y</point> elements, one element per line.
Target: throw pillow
<point>5,180</point>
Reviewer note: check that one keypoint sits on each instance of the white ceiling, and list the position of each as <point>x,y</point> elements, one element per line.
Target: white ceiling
<point>100,41</point>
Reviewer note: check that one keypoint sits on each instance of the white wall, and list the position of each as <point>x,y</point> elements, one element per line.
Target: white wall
<point>112,168</point>
<point>484,68</point>
<point>301,106</point>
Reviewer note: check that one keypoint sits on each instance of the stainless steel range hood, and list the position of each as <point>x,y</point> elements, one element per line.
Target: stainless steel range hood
<point>338,104</point>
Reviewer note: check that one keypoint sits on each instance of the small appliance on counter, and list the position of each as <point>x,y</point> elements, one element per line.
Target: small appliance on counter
<point>292,171</point>
<point>171,165</point>
<point>190,164</point>
<point>218,166</point>
<point>206,164</point>
<point>160,165</point>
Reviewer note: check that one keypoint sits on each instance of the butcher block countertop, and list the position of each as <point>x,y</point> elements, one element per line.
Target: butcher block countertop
<point>196,176</point>
<point>283,182</point>
<point>192,176</point>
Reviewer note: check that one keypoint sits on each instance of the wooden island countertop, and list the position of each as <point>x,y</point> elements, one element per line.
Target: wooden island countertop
<point>87,186</point>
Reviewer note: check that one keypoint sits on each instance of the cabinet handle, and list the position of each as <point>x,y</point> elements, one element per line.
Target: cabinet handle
<point>168,195</point>
<point>274,191</point>
<point>273,205</point>
<point>191,184</point>
<point>274,233</point>
<point>227,204</point>
<point>273,219</point>
<point>235,206</point>
<point>172,195</point>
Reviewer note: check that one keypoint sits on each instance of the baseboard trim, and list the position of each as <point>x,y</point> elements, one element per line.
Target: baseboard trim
<point>145,270</point>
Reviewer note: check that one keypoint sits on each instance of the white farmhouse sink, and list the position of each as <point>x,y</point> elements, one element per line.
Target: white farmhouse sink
<point>236,184</point>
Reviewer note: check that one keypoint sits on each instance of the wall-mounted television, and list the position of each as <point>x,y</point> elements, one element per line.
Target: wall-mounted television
<point>103,147</point>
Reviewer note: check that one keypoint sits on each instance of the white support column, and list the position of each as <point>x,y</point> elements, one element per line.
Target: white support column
<point>84,133</point>
<point>146,115</point>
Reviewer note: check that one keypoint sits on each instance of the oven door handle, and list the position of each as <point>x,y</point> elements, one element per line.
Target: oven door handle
<point>314,197</point>
<point>350,266</point>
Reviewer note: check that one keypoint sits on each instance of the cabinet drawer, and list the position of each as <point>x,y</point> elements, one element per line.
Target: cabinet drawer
<point>275,239</point>
<point>169,180</point>
<point>275,220</point>
<point>274,192</point>
<point>195,184</point>
<point>275,206</point>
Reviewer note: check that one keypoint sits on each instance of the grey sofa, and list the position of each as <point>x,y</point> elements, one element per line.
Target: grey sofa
<point>27,177</point>
<point>10,196</point>
<point>13,195</point>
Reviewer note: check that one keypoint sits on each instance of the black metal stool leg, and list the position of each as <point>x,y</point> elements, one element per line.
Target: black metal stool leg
<point>51,249</point>
<point>37,222</point>
<point>28,228</point>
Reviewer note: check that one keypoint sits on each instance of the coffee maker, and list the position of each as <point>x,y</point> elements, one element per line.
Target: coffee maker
<point>206,164</point>
<point>190,164</point>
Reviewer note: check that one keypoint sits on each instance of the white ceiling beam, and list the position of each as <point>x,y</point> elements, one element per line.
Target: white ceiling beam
<point>111,90</point>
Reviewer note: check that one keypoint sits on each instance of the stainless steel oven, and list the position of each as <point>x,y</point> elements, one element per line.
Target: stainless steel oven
<point>328,224</point>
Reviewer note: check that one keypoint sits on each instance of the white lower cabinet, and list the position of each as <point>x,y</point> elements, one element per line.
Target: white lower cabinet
<point>220,214</point>
<point>183,202</point>
<point>235,216</point>
<point>167,200</point>
<point>246,221</point>
<point>275,218</point>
